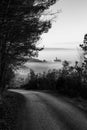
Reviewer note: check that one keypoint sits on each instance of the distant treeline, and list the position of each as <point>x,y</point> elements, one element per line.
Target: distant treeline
<point>70,80</point>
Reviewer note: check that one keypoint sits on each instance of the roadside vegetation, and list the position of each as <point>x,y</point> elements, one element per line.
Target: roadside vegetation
<point>70,80</point>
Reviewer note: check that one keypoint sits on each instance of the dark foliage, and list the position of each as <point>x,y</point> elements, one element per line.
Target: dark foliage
<point>70,81</point>
<point>20,29</point>
<point>45,81</point>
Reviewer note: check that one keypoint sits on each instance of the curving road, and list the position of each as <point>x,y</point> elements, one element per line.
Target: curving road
<point>45,112</point>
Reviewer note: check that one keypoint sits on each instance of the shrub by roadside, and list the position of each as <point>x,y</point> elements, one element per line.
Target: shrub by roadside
<point>69,81</point>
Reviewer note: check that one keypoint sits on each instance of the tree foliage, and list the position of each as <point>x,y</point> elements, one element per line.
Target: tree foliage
<point>84,48</point>
<point>20,29</point>
<point>69,81</point>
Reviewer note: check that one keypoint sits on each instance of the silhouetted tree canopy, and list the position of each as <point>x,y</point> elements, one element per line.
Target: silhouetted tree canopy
<point>84,48</point>
<point>20,29</point>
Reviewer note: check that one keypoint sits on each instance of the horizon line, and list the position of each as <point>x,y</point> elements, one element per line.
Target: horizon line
<point>70,48</point>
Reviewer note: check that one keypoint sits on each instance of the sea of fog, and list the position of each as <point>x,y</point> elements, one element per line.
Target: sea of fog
<point>49,55</point>
<point>61,53</point>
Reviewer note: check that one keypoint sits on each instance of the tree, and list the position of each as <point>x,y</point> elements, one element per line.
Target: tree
<point>84,47</point>
<point>20,29</point>
<point>84,64</point>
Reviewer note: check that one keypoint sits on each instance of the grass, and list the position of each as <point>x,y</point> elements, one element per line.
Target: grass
<point>10,108</point>
<point>79,102</point>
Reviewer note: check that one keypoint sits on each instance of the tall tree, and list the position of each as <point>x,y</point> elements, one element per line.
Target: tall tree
<point>83,69</point>
<point>84,48</point>
<point>20,29</point>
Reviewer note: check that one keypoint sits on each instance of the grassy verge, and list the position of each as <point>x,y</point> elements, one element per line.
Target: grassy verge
<point>76,101</point>
<point>79,102</point>
<point>10,109</point>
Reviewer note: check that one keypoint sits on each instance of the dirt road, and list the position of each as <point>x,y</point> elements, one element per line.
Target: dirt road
<point>45,112</point>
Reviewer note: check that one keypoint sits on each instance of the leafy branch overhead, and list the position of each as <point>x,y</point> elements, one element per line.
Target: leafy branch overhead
<point>20,29</point>
<point>21,26</point>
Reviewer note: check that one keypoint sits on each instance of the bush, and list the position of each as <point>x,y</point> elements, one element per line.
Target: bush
<point>70,80</point>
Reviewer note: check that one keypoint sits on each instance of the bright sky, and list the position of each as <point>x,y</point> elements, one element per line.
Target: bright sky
<point>70,25</point>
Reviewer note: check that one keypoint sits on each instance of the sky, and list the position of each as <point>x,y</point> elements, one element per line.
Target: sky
<point>70,27</point>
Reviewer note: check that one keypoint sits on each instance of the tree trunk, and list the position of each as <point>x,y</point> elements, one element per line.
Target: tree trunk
<point>2,82</point>
<point>3,67</point>
<point>2,77</point>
